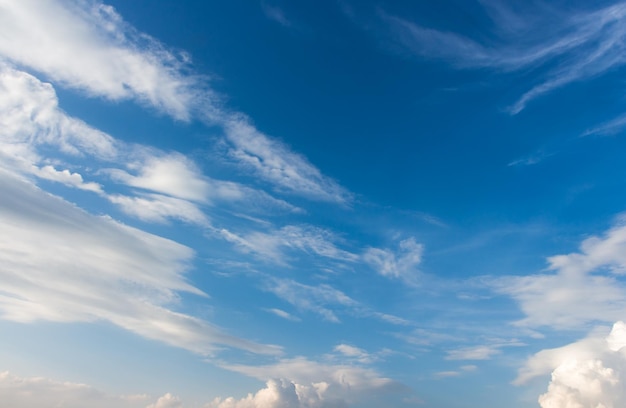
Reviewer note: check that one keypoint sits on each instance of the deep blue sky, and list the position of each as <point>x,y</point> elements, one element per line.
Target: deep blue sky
<point>314,204</point>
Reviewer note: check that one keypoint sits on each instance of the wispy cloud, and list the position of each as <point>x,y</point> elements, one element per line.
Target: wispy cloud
<point>277,14</point>
<point>319,299</point>
<point>561,47</point>
<point>88,46</point>
<point>23,392</point>
<point>65,265</point>
<point>612,127</point>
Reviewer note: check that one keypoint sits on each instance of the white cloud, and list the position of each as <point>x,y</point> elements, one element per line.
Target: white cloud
<point>282,394</point>
<point>581,290</point>
<point>27,392</point>
<point>167,401</point>
<point>159,208</point>
<point>86,45</point>
<point>401,264</point>
<point>355,353</point>
<point>575,46</point>
<point>171,174</point>
<point>66,177</point>
<point>303,238</point>
<point>65,265</point>
<point>474,353</point>
<point>284,315</point>
<point>609,128</point>
<point>317,299</point>
<point>273,161</point>
<point>325,385</point>
<point>587,373</point>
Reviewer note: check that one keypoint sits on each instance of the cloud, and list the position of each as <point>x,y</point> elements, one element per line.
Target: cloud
<point>568,47</point>
<point>609,128</point>
<point>274,162</point>
<point>282,394</point>
<point>586,286</point>
<point>587,373</point>
<point>401,264</point>
<point>317,299</point>
<point>86,45</point>
<point>65,265</point>
<point>276,14</point>
<point>26,392</point>
<point>284,315</point>
<point>355,353</point>
<point>171,174</point>
<point>325,385</point>
<point>273,245</point>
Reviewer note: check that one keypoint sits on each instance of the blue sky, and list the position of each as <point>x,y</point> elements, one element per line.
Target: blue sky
<point>265,204</point>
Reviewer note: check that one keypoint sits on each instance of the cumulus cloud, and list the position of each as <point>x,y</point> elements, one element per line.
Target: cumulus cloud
<point>64,265</point>
<point>586,286</point>
<point>311,385</point>
<point>282,394</point>
<point>587,373</point>
<point>400,264</point>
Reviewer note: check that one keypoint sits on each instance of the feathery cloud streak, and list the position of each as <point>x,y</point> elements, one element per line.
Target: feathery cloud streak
<point>566,47</point>
<point>64,265</point>
<point>86,45</point>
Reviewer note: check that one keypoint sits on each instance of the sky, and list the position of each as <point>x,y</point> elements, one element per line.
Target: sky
<point>312,204</point>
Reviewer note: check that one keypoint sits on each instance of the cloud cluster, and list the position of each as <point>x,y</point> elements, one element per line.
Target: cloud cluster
<point>586,286</point>
<point>587,373</point>
<point>311,384</point>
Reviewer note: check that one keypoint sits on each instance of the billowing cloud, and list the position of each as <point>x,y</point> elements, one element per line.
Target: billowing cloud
<point>64,265</point>
<point>586,286</point>
<point>311,384</point>
<point>587,373</point>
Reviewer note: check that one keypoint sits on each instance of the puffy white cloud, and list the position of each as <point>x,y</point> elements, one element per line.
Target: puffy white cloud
<point>400,264</point>
<point>586,287</point>
<point>311,385</point>
<point>167,401</point>
<point>62,264</point>
<point>281,394</point>
<point>587,373</point>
